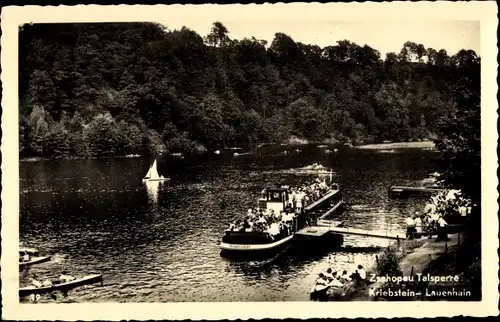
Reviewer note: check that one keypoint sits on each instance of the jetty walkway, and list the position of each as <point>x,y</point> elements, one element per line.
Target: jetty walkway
<point>318,231</point>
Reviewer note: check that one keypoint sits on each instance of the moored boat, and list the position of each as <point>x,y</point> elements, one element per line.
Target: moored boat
<point>57,285</point>
<point>415,192</point>
<point>287,219</point>
<point>34,260</point>
<point>319,293</point>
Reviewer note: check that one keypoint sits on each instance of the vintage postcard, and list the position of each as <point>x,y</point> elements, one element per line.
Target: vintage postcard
<point>248,161</point>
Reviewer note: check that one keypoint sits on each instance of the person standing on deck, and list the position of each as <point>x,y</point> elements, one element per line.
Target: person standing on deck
<point>294,199</point>
<point>298,202</point>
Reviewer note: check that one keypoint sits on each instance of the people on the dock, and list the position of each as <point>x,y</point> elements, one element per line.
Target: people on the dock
<point>442,230</point>
<point>418,225</point>
<point>410,227</point>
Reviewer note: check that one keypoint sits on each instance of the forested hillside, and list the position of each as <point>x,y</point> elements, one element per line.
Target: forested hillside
<point>138,88</point>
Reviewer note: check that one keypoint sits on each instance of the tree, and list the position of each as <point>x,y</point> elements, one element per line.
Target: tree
<point>460,135</point>
<point>120,88</point>
<point>56,141</point>
<point>218,36</point>
<point>431,56</point>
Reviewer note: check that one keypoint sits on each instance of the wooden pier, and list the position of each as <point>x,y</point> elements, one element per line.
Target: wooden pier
<point>366,233</point>
<point>409,192</point>
<point>318,231</point>
<point>315,231</point>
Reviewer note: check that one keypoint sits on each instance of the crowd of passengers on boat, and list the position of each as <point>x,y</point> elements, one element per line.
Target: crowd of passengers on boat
<point>306,194</point>
<point>272,222</point>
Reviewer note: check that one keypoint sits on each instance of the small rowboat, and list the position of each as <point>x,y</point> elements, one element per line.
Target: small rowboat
<point>318,292</point>
<point>57,285</point>
<point>34,260</point>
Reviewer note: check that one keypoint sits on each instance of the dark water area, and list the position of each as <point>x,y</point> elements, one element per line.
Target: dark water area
<point>160,242</point>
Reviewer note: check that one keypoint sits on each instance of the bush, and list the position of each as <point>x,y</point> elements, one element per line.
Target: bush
<point>388,263</point>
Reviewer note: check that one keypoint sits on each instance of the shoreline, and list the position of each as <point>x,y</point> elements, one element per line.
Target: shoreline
<point>398,145</point>
<point>38,159</point>
<point>426,145</point>
<point>414,257</point>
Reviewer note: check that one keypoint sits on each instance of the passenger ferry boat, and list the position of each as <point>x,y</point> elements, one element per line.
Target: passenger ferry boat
<point>257,243</point>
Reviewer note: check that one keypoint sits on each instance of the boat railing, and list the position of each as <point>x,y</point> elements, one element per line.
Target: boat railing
<point>321,200</point>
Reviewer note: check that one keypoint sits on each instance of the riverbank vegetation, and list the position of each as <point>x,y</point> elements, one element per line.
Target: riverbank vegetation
<point>139,88</point>
<point>460,167</point>
<point>459,163</point>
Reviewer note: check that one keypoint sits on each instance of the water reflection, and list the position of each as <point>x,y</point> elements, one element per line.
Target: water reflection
<point>152,188</point>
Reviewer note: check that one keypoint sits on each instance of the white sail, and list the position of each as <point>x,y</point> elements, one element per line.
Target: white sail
<point>152,172</point>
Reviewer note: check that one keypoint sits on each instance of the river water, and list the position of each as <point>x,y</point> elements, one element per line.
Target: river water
<point>161,243</point>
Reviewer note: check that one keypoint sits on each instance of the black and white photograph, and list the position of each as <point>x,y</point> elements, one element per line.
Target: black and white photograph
<point>308,155</point>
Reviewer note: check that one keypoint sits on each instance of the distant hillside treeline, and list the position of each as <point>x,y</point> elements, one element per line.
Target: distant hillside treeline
<point>116,89</point>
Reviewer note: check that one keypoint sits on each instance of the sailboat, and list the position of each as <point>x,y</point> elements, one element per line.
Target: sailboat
<point>153,175</point>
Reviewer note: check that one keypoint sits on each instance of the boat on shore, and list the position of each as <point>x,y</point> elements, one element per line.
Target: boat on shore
<point>34,260</point>
<point>244,243</point>
<point>152,174</point>
<point>61,286</point>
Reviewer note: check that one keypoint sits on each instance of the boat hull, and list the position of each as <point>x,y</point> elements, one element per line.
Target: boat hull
<point>230,250</point>
<point>89,279</point>
<point>319,294</point>
<point>35,260</point>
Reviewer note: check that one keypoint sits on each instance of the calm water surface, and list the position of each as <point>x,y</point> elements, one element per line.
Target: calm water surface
<point>160,243</point>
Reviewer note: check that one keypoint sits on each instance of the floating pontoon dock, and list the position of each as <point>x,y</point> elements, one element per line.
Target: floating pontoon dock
<point>407,192</point>
<point>319,231</point>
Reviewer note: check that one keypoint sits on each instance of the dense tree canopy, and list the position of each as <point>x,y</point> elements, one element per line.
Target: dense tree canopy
<point>116,89</point>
